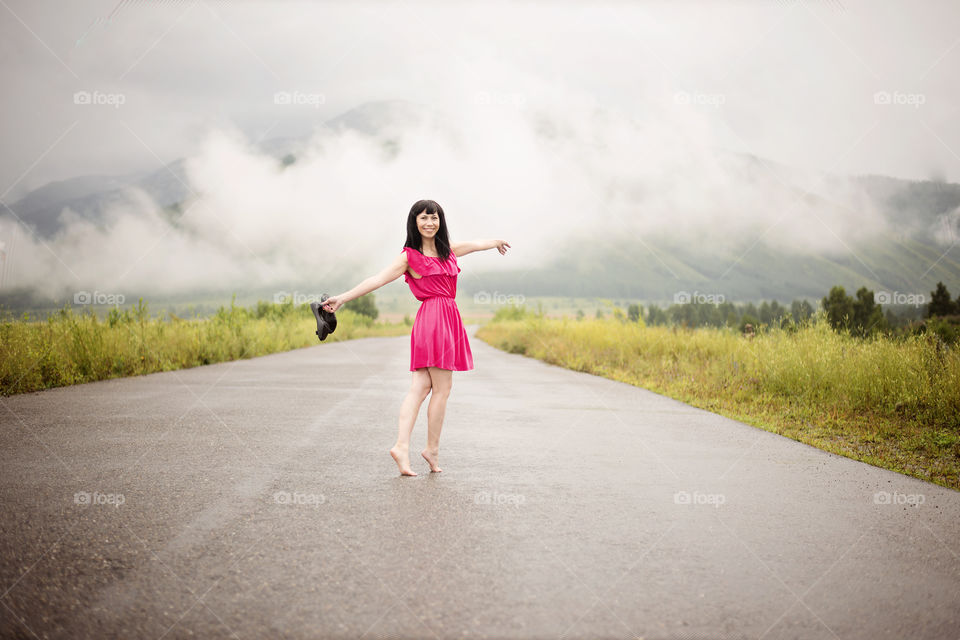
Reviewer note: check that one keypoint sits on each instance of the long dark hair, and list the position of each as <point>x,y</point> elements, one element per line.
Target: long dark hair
<point>415,240</point>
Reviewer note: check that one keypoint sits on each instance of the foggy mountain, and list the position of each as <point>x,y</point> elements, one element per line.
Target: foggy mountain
<point>91,196</point>
<point>598,222</point>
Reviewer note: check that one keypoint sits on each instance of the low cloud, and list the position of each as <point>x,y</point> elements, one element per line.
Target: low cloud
<point>503,168</point>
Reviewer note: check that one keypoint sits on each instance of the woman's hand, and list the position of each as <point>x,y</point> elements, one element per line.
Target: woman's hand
<point>333,303</point>
<point>501,246</point>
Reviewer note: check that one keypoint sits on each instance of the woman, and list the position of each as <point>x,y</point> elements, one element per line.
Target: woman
<point>438,341</point>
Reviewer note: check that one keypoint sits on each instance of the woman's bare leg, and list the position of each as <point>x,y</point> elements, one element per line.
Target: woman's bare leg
<point>419,388</point>
<point>442,381</point>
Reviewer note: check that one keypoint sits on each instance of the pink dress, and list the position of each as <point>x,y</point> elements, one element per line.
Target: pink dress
<point>438,338</point>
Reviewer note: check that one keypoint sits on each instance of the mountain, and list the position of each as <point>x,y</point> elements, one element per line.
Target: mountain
<point>41,207</point>
<point>89,196</point>
<point>918,250</point>
<point>927,210</point>
<point>663,268</point>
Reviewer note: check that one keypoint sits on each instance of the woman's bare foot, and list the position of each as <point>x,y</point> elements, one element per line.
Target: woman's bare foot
<point>432,458</point>
<point>401,456</point>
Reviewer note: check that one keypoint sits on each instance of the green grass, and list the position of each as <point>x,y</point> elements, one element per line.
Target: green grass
<point>71,348</point>
<point>890,403</point>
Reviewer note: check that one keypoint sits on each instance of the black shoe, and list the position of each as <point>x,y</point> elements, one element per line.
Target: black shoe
<point>326,321</point>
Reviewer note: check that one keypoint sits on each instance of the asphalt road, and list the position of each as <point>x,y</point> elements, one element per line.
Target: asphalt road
<point>257,499</point>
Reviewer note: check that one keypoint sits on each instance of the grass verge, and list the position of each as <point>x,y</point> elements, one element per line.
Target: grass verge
<point>890,403</point>
<point>72,348</point>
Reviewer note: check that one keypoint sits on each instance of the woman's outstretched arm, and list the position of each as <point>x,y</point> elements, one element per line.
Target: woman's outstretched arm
<point>374,282</point>
<point>463,248</point>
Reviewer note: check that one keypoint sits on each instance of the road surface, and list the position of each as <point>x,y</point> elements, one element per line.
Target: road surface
<point>257,499</point>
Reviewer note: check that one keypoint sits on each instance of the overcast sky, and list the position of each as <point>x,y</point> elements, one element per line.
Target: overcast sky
<point>791,81</point>
<point>645,99</point>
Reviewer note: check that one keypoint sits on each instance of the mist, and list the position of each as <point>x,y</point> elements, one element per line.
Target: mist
<point>534,177</point>
<point>560,127</point>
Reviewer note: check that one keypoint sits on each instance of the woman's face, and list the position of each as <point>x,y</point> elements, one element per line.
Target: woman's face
<point>428,224</point>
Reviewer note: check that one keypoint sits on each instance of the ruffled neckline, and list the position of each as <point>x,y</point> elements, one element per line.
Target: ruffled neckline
<point>430,265</point>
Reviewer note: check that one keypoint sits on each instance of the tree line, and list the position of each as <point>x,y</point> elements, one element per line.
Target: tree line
<point>860,315</point>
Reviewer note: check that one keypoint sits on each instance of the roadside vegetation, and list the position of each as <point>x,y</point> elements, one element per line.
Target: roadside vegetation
<point>845,378</point>
<point>70,347</point>
<point>888,398</point>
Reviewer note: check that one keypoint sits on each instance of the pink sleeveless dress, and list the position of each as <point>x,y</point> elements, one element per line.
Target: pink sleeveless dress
<point>438,338</point>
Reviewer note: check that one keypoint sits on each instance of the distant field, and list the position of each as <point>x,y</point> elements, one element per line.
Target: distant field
<point>890,403</point>
<point>71,348</point>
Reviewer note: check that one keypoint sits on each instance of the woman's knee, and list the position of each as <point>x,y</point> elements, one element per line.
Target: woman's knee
<point>421,383</point>
<point>441,380</point>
